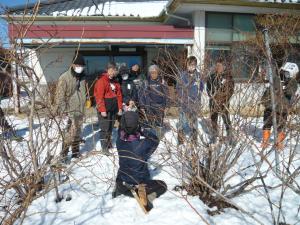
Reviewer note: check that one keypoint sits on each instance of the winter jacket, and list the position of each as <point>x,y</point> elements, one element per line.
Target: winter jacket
<point>220,88</point>
<point>284,93</point>
<point>108,94</point>
<point>133,156</point>
<point>153,95</point>
<point>189,90</point>
<point>129,91</point>
<point>70,96</point>
<point>137,78</point>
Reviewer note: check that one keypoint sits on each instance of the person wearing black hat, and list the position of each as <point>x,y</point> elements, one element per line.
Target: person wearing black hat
<point>134,152</point>
<point>70,98</point>
<point>129,90</point>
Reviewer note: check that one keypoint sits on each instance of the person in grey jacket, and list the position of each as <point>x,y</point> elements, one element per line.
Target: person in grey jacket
<point>70,98</point>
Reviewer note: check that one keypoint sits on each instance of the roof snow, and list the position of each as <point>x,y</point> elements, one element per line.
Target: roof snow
<point>123,8</point>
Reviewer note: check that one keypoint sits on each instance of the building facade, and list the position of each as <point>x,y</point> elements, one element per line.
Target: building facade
<point>136,30</point>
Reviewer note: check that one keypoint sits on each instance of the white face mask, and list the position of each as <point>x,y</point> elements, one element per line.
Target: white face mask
<point>125,76</point>
<point>78,69</point>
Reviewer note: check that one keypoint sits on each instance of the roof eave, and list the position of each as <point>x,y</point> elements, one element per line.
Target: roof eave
<point>84,18</point>
<point>175,3</point>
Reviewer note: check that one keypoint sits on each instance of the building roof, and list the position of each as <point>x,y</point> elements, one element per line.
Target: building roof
<point>133,8</point>
<point>121,8</point>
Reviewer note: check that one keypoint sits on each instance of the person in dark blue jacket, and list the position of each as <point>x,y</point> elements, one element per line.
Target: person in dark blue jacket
<point>128,87</point>
<point>189,90</point>
<point>153,99</point>
<point>134,153</point>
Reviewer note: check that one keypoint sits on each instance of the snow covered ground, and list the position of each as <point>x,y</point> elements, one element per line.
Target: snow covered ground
<point>92,180</point>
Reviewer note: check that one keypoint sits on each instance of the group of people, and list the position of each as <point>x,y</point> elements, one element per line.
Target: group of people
<point>140,110</point>
<point>219,87</point>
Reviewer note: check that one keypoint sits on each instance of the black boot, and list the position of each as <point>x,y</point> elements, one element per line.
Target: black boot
<point>180,137</point>
<point>194,136</point>
<point>64,152</point>
<point>75,149</point>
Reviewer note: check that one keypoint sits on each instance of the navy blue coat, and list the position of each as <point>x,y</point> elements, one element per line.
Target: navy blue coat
<point>129,91</point>
<point>133,156</point>
<point>189,90</point>
<point>153,95</point>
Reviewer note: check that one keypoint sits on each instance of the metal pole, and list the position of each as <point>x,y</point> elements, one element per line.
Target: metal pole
<point>272,92</point>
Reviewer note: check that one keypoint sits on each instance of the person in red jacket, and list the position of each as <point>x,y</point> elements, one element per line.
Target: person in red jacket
<point>108,98</point>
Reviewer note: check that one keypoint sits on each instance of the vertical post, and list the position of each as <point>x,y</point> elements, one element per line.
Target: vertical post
<point>272,92</point>
<point>199,36</point>
<point>16,91</point>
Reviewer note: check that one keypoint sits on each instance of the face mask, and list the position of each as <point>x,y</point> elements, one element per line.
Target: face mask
<point>78,69</point>
<point>125,76</point>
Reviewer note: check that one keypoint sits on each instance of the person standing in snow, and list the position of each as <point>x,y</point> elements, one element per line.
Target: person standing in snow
<point>129,90</point>
<point>135,73</point>
<point>189,90</point>
<point>285,87</point>
<point>108,96</point>
<point>220,88</point>
<point>153,99</point>
<point>134,153</point>
<point>70,98</point>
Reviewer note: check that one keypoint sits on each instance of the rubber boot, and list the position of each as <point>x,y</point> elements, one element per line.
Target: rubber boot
<point>280,139</point>
<point>266,138</point>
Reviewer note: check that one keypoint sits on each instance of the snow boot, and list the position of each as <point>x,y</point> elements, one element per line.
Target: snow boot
<point>266,138</point>
<point>280,139</point>
<point>143,198</point>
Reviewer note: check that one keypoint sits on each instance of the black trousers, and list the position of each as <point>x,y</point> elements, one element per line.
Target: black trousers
<point>215,111</point>
<point>157,186</point>
<point>281,118</point>
<point>3,122</point>
<point>106,125</point>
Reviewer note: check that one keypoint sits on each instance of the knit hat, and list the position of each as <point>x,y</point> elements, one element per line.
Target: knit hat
<point>78,60</point>
<point>130,122</point>
<point>123,69</point>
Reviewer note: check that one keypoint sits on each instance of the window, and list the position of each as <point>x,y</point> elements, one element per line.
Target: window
<point>95,65</point>
<point>227,27</point>
<point>219,27</point>
<point>223,30</point>
<point>243,26</point>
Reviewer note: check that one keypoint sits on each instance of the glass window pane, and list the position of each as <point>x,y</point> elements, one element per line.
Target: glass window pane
<point>219,27</point>
<point>128,59</point>
<point>95,65</point>
<point>219,20</point>
<point>218,35</point>
<point>243,23</point>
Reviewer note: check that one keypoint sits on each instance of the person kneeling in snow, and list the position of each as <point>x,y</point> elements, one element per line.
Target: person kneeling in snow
<point>134,152</point>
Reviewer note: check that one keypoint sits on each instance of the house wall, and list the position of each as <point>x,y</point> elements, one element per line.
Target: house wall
<point>53,62</point>
<point>245,100</point>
